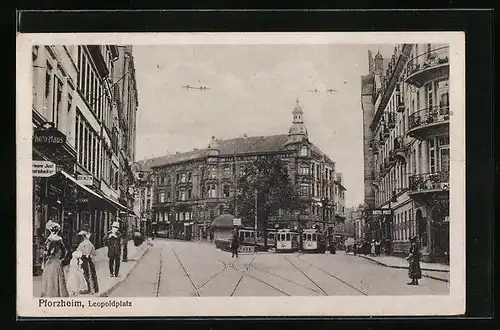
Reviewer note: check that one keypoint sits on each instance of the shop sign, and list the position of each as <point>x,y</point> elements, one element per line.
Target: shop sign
<point>236,222</point>
<point>43,168</point>
<point>87,180</point>
<point>381,212</point>
<point>48,134</point>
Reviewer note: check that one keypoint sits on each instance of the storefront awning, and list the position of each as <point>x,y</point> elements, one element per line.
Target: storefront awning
<point>81,185</point>
<point>98,195</point>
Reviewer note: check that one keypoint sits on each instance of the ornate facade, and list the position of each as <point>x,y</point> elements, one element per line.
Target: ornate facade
<point>408,150</point>
<point>84,105</point>
<point>192,188</point>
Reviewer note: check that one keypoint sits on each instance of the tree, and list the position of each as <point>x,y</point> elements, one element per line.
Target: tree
<point>266,182</point>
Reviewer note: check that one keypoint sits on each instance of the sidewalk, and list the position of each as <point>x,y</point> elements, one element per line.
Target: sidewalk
<point>435,271</point>
<point>106,283</point>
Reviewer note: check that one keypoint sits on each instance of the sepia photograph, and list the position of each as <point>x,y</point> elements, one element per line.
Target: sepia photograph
<point>275,169</point>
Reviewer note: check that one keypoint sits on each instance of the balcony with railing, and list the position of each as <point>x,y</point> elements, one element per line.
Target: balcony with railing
<point>400,148</point>
<point>391,120</point>
<point>428,66</point>
<point>429,183</point>
<point>429,122</point>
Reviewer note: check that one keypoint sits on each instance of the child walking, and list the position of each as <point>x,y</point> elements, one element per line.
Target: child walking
<point>76,280</point>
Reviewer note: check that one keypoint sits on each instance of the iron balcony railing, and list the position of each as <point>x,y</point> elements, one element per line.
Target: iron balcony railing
<point>428,116</point>
<point>435,181</point>
<point>427,60</point>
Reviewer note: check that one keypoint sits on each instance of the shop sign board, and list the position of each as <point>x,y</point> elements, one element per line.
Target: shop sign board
<point>87,180</point>
<point>48,134</point>
<point>237,222</point>
<point>43,169</point>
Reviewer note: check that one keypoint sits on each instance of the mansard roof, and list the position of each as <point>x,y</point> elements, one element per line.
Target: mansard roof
<point>229,147</point>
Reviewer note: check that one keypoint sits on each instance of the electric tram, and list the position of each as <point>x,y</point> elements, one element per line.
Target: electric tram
<point>247,236</point>
<point>313,241</point>
<point>271,238</point>
<point>287,240</point>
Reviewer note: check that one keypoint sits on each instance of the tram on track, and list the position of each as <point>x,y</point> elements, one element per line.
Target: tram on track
<point>313,241</point>
<point>287,240</point>
<point>247,236</point>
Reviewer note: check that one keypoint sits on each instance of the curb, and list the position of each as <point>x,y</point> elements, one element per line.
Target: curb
<point>124,278</point>
<point>401,267</point>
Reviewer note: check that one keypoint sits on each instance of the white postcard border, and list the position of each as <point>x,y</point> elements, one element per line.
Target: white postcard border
<point>452,304</point>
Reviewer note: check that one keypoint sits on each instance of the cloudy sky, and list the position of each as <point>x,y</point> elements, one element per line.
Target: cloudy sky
<point>253,91</point>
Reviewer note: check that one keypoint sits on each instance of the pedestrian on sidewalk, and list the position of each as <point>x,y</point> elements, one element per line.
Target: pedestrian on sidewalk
<point>235,243</point>
<point>76,280</point>
<point>113,241</point>
<point>414,271</point>
<point>377,248</point>
<point>53,281</point>
<point>372,251</point>
<point>88,254</point>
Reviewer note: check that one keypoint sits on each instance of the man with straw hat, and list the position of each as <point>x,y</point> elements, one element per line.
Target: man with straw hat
<point>113,241</point>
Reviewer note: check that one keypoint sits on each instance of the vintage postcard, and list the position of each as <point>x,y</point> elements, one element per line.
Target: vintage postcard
<point>241,174</point>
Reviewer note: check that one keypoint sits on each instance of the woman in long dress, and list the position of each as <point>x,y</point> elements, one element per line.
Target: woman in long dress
<point>76,281</point>
<point>53,281</point>
<point>88,253</point>
<point>414,271</point>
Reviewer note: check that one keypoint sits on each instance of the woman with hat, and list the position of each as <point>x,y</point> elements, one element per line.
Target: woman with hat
<point>113,241</point>
<point>88,253</point>
<point>414,271</point>
<point>53,281</point>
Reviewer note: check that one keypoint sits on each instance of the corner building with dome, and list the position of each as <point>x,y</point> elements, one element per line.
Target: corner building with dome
<point>190,189</point>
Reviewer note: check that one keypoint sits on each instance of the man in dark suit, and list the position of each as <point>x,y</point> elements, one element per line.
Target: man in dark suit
<point>113,242</point>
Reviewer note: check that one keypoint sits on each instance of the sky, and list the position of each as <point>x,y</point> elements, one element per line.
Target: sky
<point>253,90</point>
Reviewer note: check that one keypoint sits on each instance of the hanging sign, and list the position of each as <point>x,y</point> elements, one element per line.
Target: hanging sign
<point>43,169</point>
<point>87,180</point>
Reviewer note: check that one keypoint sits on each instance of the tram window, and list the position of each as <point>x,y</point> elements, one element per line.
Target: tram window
<point>314,237</point>
<point>287,237</point>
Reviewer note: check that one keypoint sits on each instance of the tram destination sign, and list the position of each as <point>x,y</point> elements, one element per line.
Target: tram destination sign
<point>43,169</point>
<point>48,134</point>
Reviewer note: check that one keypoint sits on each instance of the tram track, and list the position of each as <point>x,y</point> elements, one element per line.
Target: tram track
<point>243,273</point>
<point>307,276</point>
<point>286,279</point>
<point>197,292</point>
<point>331,275</point>
<point>158,277</point>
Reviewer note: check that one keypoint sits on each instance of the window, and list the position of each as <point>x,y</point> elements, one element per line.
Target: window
<point>303,151</point>
<point>162,197</point>
<point>189,177</point>
<point>304,189</point>
<point>226,191</point>
<point>212,191</point>
<point>227,172</point>
<point>189,193</point>
<point>183,177</point>
<point>58,86</point>
<point>429,95</point>
<point>303,170</point>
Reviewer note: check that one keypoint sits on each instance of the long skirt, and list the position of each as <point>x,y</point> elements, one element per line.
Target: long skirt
<point>53,281</point>
<point>414,271</point>
<point>76,282</point>
<point>90,275</point>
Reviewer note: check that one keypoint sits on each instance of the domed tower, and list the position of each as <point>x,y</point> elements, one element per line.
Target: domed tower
<point>298,131</point>
<point>213,147</point>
